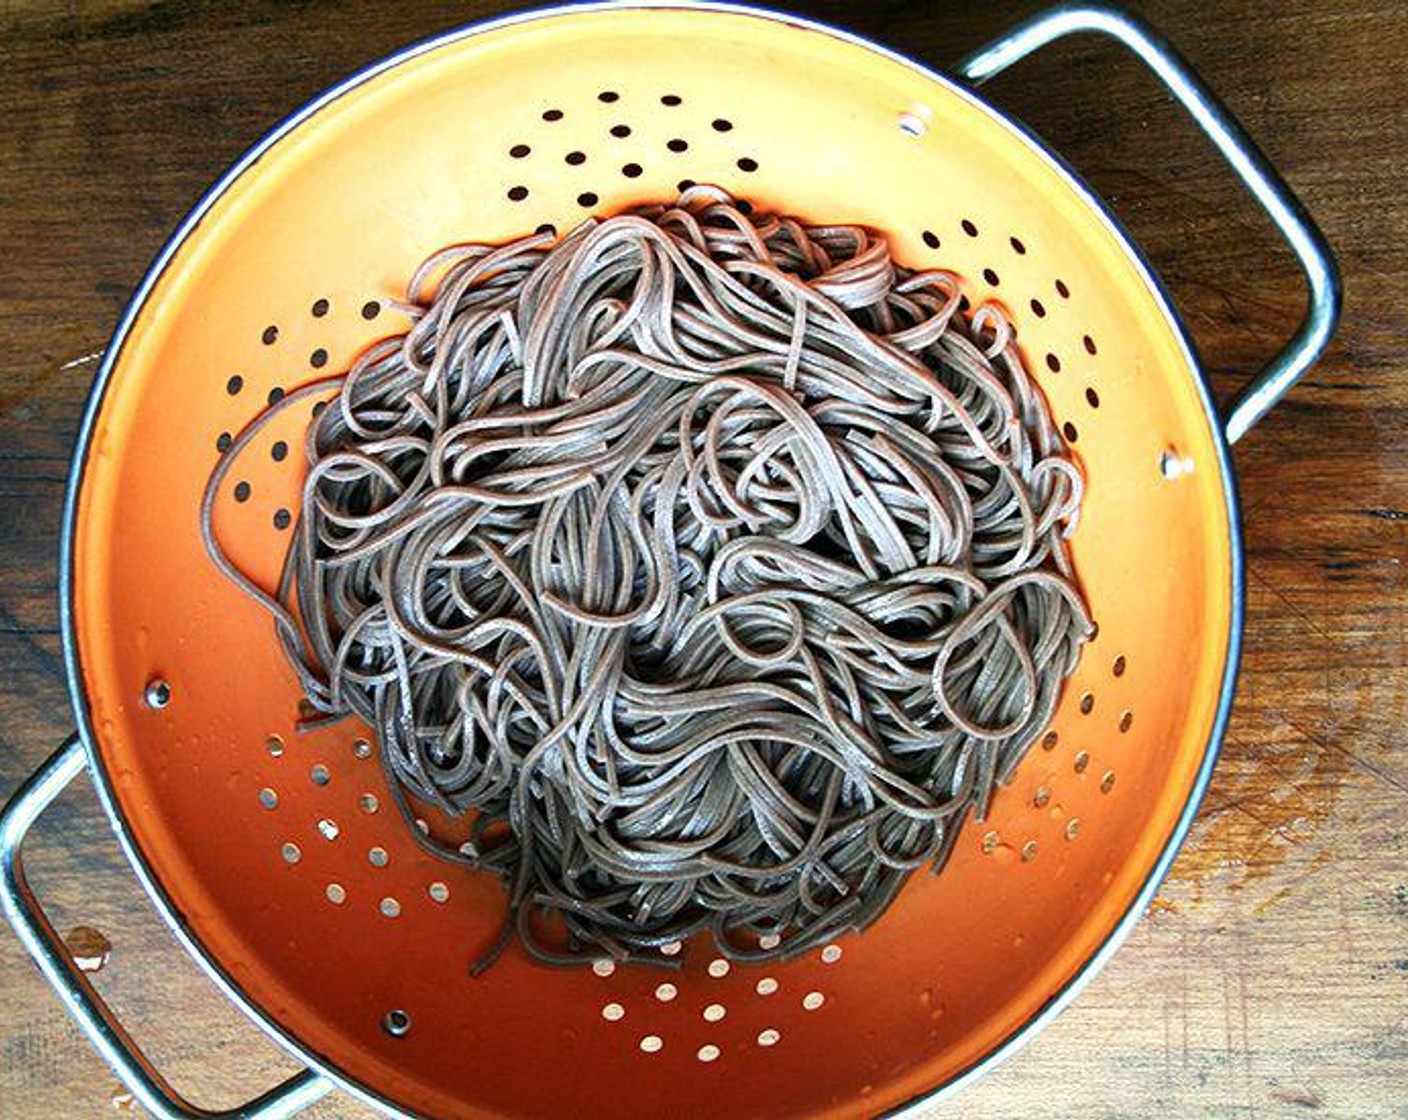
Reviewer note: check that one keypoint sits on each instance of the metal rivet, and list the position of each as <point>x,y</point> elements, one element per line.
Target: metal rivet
<point>368,803</point>
<point>319,774</point>
<point>336,893</point>
<point>274,744</point>
<point>157,694</point>
<point>812,1000</point>
<point>990,841</point>
<point>396,1023</point>
<point>291,853</point>
<point>438,892</point>
<point>831,954</point>
<point>768,1037</point>
<point>766,986</point>
<point>707,1053</point>
<point>268,798</point>
<point>328,827</point>
<point>390,907</point>
<point>1072,828</point>
<point>378,857</point>
<point>714,1012</point>
<point>362,749</point>
<point>652,1043</point>
<point>718,968</point>
<point>671,948</point>
<point>1029,851</point>
<point>613,1012</point>
<point>603,968</point>
<point>666,992</point>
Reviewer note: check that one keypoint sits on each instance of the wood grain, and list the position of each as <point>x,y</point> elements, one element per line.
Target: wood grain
<point>1271,979</point>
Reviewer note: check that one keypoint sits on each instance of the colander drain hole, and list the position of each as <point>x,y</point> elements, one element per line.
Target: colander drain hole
<point>911,124</point>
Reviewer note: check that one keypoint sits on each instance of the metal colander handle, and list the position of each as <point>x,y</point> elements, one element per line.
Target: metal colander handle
<point>1246,159</point>
<point>83,1001</point>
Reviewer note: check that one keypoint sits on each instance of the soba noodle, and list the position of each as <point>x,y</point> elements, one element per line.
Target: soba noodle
<point>717,555</point>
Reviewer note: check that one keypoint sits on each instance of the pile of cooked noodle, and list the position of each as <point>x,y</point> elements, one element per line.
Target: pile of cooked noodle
<point>717,554</point>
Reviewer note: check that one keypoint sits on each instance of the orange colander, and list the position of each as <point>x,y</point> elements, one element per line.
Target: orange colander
<point>275,856</point>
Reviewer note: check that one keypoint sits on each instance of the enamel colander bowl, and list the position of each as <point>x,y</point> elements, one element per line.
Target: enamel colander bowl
<point>277,856</point>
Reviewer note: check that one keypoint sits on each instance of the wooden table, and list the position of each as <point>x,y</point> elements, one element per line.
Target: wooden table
<point>1271,979</point>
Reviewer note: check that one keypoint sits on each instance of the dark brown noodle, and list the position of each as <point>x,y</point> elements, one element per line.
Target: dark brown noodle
<point>718,555</point>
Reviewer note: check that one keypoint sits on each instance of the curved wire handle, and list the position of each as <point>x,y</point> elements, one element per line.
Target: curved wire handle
<point>1266,185</point>
<point>87,1007</point>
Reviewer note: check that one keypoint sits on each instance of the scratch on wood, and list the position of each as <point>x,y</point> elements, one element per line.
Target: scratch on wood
<point>83,361</point>
<point>1356,386</point>
<point>1363,764</point>
<point>1386,514</point>
<point>1314,626</point>
<point>1301,1099</point>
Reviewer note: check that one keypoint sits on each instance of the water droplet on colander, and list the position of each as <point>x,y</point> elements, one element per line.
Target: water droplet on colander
<point>88,947</point>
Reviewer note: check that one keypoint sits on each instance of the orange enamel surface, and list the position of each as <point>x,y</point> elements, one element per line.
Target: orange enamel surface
<point>342,210</point>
